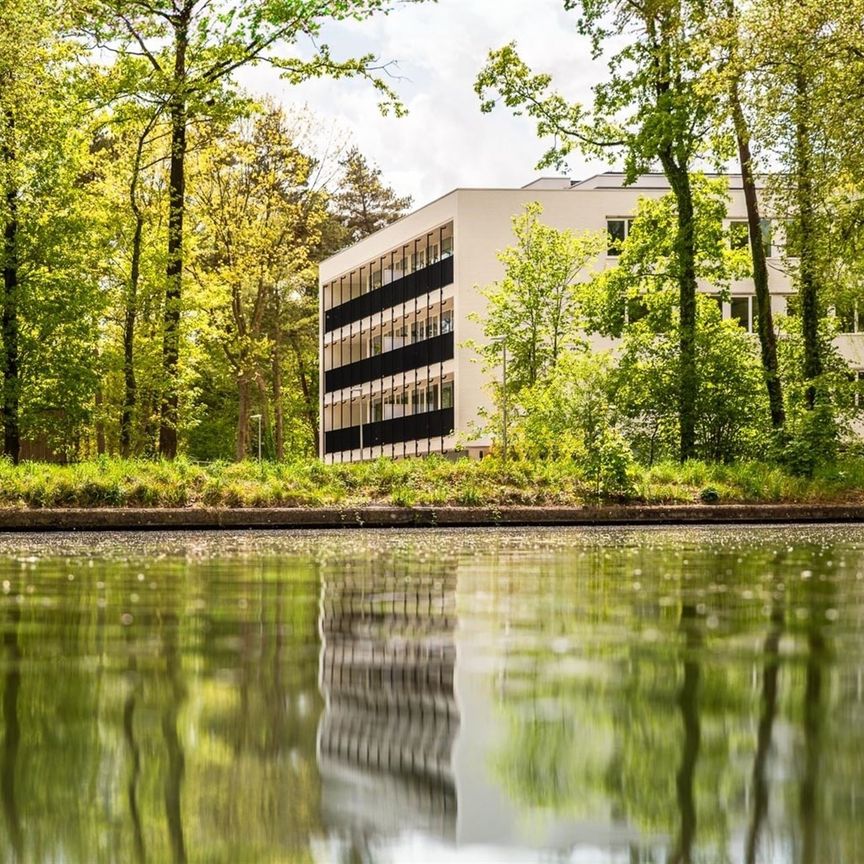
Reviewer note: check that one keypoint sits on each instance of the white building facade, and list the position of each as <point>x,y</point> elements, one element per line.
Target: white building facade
<point>399,310</point>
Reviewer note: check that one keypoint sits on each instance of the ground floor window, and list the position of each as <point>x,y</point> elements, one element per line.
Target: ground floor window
<point>743,310</point>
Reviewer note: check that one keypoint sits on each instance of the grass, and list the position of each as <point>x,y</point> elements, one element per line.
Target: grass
<point>433,481</point>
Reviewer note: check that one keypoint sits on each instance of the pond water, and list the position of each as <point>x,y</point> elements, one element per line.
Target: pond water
<point>485,696</point>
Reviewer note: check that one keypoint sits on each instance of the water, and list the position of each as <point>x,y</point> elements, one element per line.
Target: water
<point>483,696</point>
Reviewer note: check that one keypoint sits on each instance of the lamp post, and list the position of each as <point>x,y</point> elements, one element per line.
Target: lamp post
<point>360,394</point>
<point>258,418</point>
<point>503,342</point>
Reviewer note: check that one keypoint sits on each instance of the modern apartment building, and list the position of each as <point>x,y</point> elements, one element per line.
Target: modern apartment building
<point>399,310</point>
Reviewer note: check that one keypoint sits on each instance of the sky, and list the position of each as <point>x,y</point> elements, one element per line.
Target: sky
<point>437,50</point>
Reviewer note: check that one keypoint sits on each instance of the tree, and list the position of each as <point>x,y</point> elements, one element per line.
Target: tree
<point>637,301</point>
<point>793,66</point>
<point>656,78</point>
<point>533,309</point>
<point>363,203</point>
<point>731,406</point>
<point>570,414</point>
<point>260,219</point>
<point>733,71</point>
<point>51,301</point>
<point>193,48</point>
<point>29,50</point>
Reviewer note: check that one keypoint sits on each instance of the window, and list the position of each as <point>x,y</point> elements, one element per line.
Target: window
<point>376,345</point>
<point>418,401</point>
<point>447,395</point>
<point>854,396</point>
<point>446,247</point>
<point>743,310</point>
<point>851,318</point>
<point>377,410</point>
<point>617,231</point>
<point>446,322</point>
<point>739,235</point>
<point>432,397</point>
<point>431,327</point>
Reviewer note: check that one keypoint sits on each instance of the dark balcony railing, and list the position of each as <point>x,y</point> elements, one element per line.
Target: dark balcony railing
<point>414,427</point>
<point>415,284</point>
<point>423,353</point>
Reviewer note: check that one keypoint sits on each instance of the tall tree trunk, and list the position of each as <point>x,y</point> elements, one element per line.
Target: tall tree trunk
<point>264,398</point>
<point>100,422</point>
<point>244,409</point>
<point>174,270</point>
<point>807,268</point>
<point>130,394</point>
<point>11,383</point>
<point>278,413</point>
<point>310,407</point>
<point>685,252</point>
<point>765,323</point>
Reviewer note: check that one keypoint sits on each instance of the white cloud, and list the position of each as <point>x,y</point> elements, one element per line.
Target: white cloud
<point>445,141</point>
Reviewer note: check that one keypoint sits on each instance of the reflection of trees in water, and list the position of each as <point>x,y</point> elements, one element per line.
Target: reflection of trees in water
<point>688,701</point>
<point>676,733</point>
<point>129,706</point>
<point>770,672</point>
<point>137,742</point>
<point>11,731</point>
<point>386,671</point>
<point>173,746</point>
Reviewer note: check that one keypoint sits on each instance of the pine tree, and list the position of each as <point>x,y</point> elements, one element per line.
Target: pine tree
<point>363,203</point>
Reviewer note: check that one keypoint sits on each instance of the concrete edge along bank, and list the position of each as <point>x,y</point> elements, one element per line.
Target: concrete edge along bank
<point>195,518</point>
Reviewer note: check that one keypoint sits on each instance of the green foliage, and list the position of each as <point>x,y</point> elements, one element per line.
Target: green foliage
<point>648,267</point>
<point>638,301</point>
<point>812,436</point>
<point>731,404</point>
<point>569,415</point>
<point>429,481</point>
<point>532,311</point>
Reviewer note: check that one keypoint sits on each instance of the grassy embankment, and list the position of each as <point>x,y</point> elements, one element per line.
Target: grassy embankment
<point>437,482</point>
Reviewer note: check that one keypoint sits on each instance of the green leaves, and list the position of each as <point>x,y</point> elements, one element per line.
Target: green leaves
<point>533,308</point>
<point>507,78</point>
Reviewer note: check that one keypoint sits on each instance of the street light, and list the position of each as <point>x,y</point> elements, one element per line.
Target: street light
<point>360,394</point>
<point>258,418</point>
<point>502,340</point>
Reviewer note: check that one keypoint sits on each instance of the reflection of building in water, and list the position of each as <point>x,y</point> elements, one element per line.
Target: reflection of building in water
<point>385,740</point>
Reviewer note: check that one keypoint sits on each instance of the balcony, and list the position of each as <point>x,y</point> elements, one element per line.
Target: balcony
<point>415,284</point>
<point>414,427</point>
<point>414,356</point>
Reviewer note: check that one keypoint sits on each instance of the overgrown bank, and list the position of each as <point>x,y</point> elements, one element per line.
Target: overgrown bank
<point>410,482</point>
